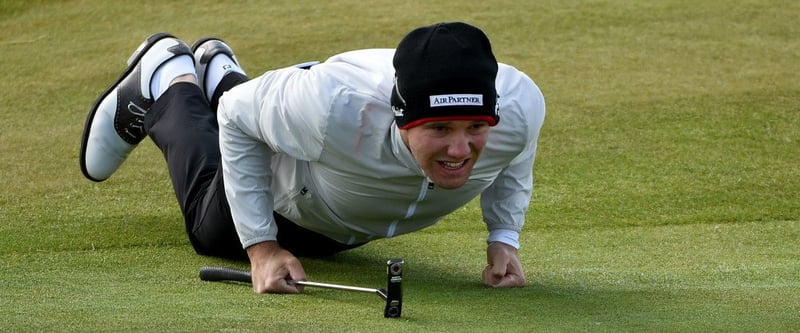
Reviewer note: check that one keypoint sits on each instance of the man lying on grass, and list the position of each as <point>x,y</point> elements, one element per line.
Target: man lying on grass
<point>318,158</point>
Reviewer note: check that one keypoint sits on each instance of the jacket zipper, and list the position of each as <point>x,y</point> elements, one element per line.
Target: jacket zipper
<point>426,185</point>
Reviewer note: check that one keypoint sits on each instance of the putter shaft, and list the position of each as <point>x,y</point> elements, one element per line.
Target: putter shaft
<point>380,293</point>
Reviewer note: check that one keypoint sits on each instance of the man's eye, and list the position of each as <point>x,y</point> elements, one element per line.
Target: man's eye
<point>436,128</point>
<point>478,126</point>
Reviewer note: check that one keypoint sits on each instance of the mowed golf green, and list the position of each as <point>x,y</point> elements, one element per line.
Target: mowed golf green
<point>667,194</point>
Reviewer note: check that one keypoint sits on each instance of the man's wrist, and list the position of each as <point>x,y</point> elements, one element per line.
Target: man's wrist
<point>262,249</point>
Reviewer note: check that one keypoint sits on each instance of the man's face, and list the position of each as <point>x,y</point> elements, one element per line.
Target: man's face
<point>447,150</point>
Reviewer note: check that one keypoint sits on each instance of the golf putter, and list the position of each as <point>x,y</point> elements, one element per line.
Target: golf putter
<point>393,294</point>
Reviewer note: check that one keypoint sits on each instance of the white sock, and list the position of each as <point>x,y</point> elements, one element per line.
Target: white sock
<point>219,65</point>
<point>168,71</point>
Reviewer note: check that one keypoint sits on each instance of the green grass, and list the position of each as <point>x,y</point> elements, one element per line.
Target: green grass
<point>667,192</point>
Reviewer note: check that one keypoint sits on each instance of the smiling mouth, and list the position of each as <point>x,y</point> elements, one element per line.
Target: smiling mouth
<point>453,165</point>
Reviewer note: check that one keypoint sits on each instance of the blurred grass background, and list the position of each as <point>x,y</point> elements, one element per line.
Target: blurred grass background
<point>666,191</point>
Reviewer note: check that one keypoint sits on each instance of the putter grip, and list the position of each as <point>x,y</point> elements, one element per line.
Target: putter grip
<point>216,274</point>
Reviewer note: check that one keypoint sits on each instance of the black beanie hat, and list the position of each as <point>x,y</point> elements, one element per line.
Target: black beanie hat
<point>445,71</point>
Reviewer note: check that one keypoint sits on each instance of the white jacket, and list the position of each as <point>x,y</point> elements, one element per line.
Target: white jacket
<point>320,147</point>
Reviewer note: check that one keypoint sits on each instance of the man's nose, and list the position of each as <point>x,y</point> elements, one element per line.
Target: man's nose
<point>459,146</point>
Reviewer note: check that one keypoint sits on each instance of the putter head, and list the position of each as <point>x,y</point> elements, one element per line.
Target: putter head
<point>394,288</point>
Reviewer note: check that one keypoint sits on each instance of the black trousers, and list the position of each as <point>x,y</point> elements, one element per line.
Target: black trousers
<point>183,124</point>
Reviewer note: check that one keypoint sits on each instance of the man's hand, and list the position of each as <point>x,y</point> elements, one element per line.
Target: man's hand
<point>503,269</point>
<point>272,267</point>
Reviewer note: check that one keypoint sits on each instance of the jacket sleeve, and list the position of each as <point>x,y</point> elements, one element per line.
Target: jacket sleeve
<point>247,176</point>
<point>505,202</point>
<point>276,113</point>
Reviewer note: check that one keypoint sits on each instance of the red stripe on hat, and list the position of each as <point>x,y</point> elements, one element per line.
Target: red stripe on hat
<point>488,119</point>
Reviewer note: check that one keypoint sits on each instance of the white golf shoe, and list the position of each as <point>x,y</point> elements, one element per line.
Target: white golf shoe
<point>115,124</point>
<point>206,49</point>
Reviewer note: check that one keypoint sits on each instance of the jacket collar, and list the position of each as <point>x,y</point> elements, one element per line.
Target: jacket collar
<point>402,153</point>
